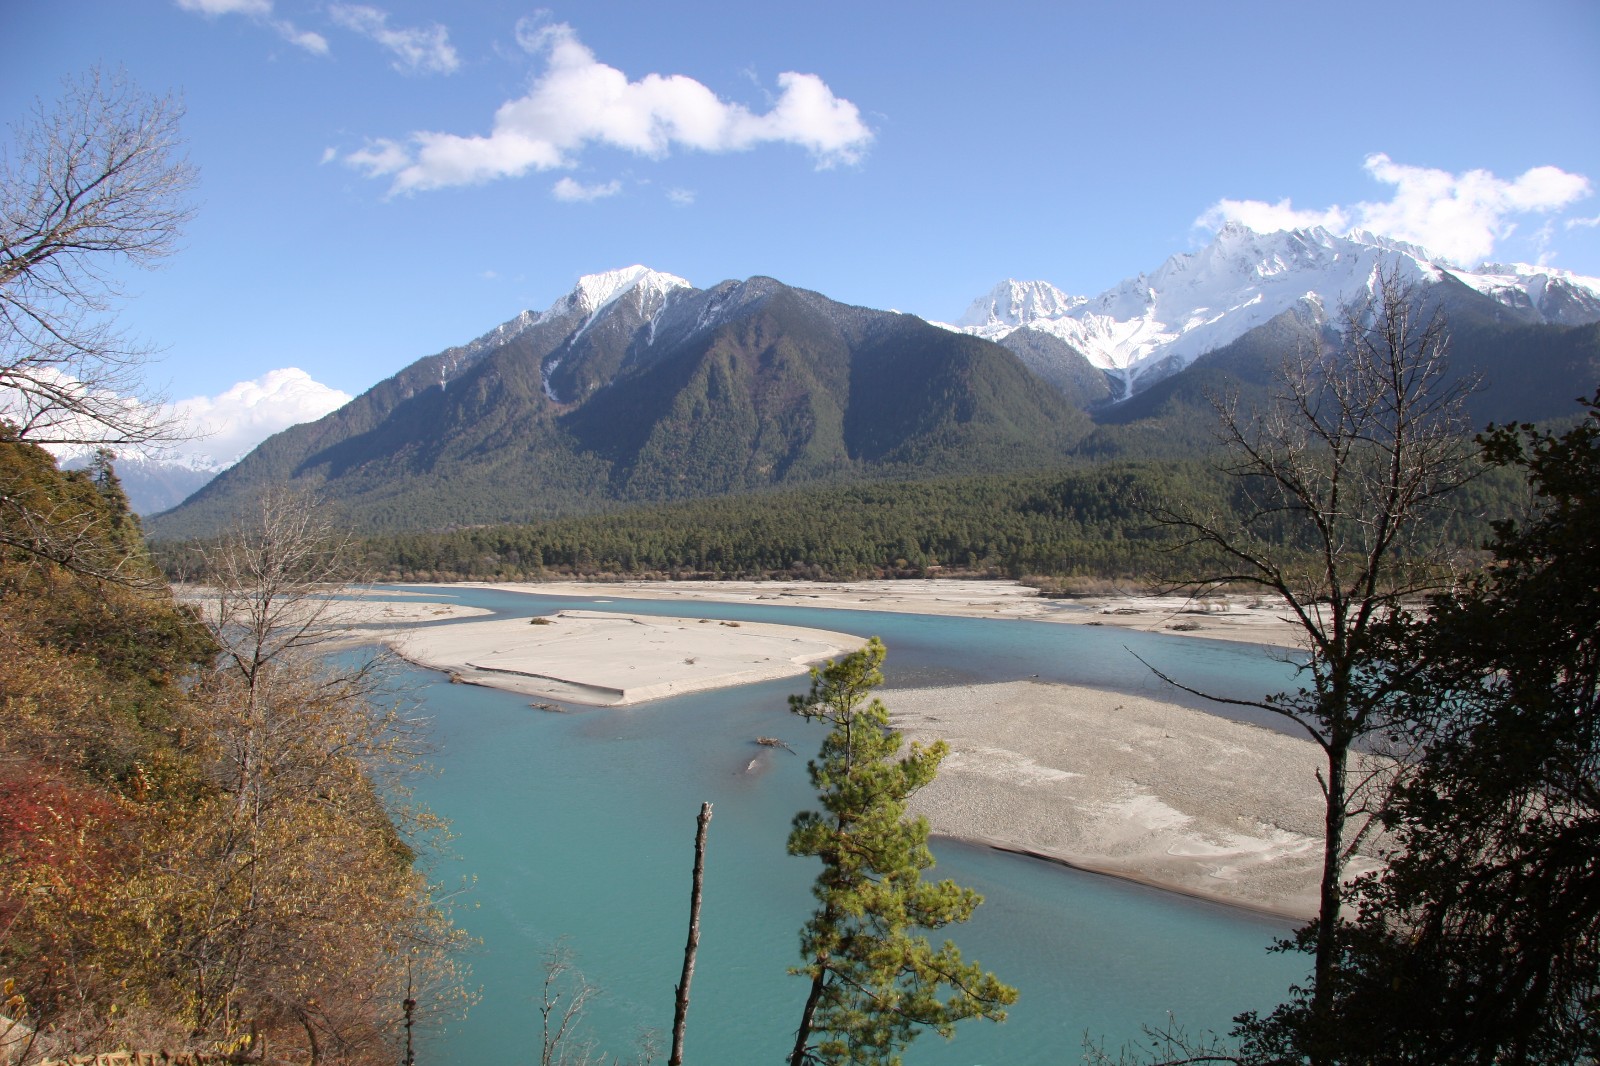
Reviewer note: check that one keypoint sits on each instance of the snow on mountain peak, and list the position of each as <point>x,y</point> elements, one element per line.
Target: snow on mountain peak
<point>594,292</point>
<point>1198,301</point>
<point>1016,303</point>
<point>1528,270</point>
<point>1558,296</point>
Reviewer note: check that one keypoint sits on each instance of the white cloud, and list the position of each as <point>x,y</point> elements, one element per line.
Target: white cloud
<point>1584,223</point>
<point>328,156</point>
<point>1542,237</point>
<point>213,8</point>
<point>228,425</point>
<point>569,191</point>
<point>1265,218</point>
<point>531,30</point>
<point>681,197</point>
<point>416,50</point>
<point>579,101</point>
<point>314,43</point>
<point>46,403</point>
<point>260,11</point>
<point>217,430</point>
<point>1459,216</point>
<point>380,156</point>
<point>1462,215</point>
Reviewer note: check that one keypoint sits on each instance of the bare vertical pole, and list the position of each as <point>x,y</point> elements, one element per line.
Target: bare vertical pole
<point>682,1009</point>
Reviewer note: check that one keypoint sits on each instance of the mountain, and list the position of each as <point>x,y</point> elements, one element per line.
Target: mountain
<point>214,432</point>
<point>637,386</point>
<point>152,486</point>
<point>1155,325</point>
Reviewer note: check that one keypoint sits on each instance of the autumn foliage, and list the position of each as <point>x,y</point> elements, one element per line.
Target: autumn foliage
<point>194,856</point>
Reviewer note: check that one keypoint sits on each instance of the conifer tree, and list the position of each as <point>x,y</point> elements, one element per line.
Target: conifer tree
<point>875,983</point>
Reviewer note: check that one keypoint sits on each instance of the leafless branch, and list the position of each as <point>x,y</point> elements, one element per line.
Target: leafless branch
<point>1338,480</point>
<point>89,186</point>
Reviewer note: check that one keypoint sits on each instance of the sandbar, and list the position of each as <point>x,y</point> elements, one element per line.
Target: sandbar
<point>1129,786</point>
<point>612,660</point>
<point>1251,619</point>
<point>1123,785</point>
<point>353,615</point>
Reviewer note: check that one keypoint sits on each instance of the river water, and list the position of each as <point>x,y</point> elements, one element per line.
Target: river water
<point>579,828</point>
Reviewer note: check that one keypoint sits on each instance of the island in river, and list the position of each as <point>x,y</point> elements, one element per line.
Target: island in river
<point>1124,785</point>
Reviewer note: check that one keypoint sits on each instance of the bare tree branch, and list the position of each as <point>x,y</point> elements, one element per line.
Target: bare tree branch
<point>89,186</point>
<point>1339,480</point>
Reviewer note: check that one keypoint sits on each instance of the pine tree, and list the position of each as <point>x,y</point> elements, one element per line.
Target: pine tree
<point>875,983</point>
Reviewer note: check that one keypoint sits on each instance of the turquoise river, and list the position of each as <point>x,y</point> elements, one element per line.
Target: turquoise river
<point>579,828</point>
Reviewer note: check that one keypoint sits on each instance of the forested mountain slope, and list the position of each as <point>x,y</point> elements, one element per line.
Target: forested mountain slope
<point>662,392</point>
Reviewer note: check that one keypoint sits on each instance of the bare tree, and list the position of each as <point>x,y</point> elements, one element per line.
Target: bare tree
<point>1340,481</point>
<point>564,1000</point>
<point>283,893</point>
<point>87,187</point>
<point>276,578</point>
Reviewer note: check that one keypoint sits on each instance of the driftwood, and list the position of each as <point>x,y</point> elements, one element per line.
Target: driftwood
<point>681,1009</point>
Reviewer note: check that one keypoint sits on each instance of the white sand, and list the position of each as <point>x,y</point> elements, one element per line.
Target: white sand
<point>1252,619</point>
<point>618,659</point>
<point>1124,785</point>
<point>1243,618</point>
<point>351,607</point>
<point>377,612</point>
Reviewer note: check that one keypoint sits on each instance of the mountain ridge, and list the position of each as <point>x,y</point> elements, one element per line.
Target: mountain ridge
<point>1155,324</point>
<point>637,386</point>
<point>656,391</point>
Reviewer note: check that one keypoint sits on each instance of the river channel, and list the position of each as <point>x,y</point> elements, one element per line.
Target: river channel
<point>578,827</point>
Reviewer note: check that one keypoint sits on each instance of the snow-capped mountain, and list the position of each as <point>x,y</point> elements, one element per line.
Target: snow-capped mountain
<point>152,487</point>
<point>588,301</point>
<point>1016,303</point>
<point>1558,297</point>
<point>1155,324</point>
<point>214,432</point>
<point>637,387</point>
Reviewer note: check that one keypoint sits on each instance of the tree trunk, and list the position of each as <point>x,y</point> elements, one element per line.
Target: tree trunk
<point>1330,891</point>
<point>798,1056</point>
<point>681,1011</point>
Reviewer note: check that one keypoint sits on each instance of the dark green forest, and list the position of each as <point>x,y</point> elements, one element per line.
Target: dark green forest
<point>1067,527</point>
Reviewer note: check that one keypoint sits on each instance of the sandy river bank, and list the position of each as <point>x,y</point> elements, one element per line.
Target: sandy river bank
<point>1123,785</point>
<point>613,660</point>
<point>1242,618</point>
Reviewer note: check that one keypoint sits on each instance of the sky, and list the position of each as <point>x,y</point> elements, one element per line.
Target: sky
<point>381,181</point>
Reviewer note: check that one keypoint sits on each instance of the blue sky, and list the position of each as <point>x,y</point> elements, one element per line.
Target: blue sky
<point>362,205</point>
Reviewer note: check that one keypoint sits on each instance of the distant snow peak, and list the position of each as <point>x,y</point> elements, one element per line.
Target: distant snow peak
<point>1559,296</point>
<point>1195,302</point>
<point>1016,303</point>
<point>595,295</point>
<point>594,292</point>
